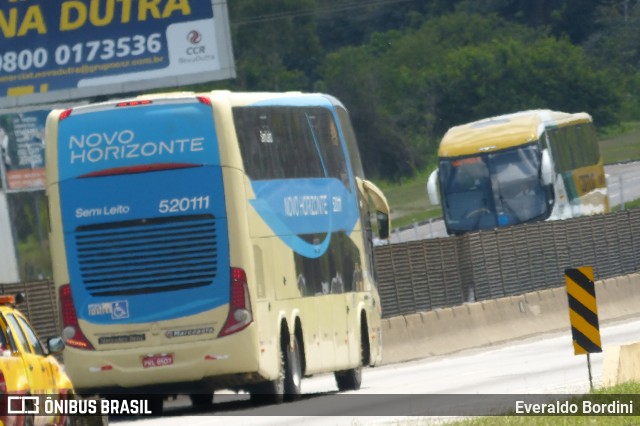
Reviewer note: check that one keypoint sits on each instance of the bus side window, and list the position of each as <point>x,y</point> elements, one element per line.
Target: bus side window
<point>565,150</point>
<point>329,145</point>
<point>568,158</point>
<point>276,143</point>
<point>556,149</point>
<point>256,139</point>
<point>589,144</point>
<point>350,141</point>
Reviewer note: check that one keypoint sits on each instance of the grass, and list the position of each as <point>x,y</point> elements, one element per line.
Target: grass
<point>621,143</point>
<point>409,202</point>
<point>604,395</point>
<point>627,205</point>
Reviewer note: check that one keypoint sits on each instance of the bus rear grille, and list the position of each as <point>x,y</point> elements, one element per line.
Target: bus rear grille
<point>148,255</point>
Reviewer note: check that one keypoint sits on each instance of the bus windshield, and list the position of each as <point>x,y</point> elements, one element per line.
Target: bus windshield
<point>494,189</point>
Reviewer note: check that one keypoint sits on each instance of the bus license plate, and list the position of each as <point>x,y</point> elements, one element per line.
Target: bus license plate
<point>157,360</point>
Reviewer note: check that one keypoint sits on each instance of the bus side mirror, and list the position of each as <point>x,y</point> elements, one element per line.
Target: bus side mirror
<point>383,212</point>
<point>20,298</point>
<point>546,169</point>
<point>383,225</point>
<point>432,188</point>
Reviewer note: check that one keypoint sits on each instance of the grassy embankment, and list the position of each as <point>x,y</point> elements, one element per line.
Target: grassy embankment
<point>410,204</point>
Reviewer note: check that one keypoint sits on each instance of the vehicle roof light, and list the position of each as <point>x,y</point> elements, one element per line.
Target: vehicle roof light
<point>7,300</point>
<point>134,103</point>
<point>204,99</point>
<point>65,114</point>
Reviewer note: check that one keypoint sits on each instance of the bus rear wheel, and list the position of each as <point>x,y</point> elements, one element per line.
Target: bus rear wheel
<point>293,371</point>
<point>288,384</point>
<point>350,379</point>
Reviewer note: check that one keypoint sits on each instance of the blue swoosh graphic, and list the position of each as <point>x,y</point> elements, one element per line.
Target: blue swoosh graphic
<point>308,206</point>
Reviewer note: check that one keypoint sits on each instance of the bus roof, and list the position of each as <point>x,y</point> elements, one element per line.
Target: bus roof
<point>226,97</point>
<point>504,131</point>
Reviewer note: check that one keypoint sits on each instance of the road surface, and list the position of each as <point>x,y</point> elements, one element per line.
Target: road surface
<point>452,385</point>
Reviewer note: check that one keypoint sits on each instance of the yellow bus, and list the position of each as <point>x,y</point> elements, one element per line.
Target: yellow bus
<point>518,168</point>
<point>210,241</point>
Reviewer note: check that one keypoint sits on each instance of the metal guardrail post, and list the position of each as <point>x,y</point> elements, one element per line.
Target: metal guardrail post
<point>621,185</point>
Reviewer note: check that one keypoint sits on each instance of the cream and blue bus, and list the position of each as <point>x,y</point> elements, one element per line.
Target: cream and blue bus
<point>213,241</point>
<point>518,168</point>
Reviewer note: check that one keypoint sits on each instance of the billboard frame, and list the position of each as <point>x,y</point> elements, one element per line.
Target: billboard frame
<point>224,56</point>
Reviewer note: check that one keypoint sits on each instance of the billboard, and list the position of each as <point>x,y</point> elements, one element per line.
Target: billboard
<point>61,50</point>
<point>22,150</point>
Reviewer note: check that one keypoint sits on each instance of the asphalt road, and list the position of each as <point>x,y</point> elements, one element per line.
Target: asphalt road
<point>456,385</point>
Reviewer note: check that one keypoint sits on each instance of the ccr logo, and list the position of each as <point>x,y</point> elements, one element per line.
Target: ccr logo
<point>194,37</point>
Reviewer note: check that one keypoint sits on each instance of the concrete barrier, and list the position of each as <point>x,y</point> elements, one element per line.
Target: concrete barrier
<point>491,322</point>
<point>621,364</point>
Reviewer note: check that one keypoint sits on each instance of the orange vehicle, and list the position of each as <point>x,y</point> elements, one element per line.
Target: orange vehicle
<point>28,370</point>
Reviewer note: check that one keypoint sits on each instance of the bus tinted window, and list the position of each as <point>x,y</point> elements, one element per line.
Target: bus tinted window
<point>574,154</point>
<point>589,144</point>
<point>325,134</point>
<point>350,141</point>
<point>562,149</point>
<point>286,142</point>
<point>556,149</point>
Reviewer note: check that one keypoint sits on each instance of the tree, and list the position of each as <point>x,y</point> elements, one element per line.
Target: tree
<point>276,46</point>
<point>412,86</point>
<point>350,77</point>
<point>575,19</point>
<point>616,46</point>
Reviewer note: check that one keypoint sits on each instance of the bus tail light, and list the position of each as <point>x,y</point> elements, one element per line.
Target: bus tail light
<point>70,326</point>
<point>240,315</point>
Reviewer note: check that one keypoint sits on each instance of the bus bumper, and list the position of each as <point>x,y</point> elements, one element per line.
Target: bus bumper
<point>222,362</point>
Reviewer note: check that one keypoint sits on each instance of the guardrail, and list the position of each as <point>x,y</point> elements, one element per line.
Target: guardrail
<point>39,306</point>
<point>421,276</point>
<point>494,322</point>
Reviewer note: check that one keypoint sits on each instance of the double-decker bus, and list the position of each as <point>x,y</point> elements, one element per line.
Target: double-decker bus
<point>209,241</point>
<point>518,168</point>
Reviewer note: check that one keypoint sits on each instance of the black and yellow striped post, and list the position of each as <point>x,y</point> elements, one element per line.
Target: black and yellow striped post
<point>583,312</point>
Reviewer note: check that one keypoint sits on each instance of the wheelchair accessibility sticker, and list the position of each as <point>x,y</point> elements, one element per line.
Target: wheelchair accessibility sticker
<point>118,310</point>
